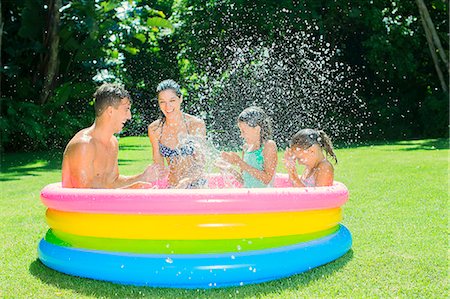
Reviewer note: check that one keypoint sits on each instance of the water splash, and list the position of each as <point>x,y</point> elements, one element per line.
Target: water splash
<point>297,79</point>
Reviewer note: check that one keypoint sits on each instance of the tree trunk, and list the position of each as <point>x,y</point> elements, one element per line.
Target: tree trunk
<point>433,43</point>
<point>51,43</point>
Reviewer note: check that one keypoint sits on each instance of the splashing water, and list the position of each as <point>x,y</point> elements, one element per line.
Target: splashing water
<point>297,79</point>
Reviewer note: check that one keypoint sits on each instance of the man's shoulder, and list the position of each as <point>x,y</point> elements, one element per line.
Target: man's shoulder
<point>82,141</point>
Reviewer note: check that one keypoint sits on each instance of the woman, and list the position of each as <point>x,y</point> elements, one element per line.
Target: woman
<point>179,138</point>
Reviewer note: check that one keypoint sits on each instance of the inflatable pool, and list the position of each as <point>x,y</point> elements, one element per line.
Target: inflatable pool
<point>193,238</point>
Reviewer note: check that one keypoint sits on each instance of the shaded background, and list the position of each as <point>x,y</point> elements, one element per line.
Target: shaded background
<point>365,70</point>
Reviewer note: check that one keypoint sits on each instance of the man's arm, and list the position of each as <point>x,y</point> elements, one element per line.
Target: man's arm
<point>78,166</point>
<point>140,181</point>
<point>150,174</point>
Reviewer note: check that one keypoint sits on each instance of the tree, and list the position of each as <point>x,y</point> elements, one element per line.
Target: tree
<point>434,44</point>
<point>50,61</point>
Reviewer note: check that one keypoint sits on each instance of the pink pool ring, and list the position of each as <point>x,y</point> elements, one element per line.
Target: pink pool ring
<point>216,200</point>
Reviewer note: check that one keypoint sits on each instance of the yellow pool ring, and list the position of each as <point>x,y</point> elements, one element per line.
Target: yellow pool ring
<point>192,227</point>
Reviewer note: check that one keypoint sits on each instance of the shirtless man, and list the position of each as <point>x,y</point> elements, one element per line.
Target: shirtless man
<point>91,157</point>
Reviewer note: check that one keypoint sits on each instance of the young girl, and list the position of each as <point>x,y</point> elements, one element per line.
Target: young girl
<point>259,156</point>
<point>177,137</point>
<point>306,147</point>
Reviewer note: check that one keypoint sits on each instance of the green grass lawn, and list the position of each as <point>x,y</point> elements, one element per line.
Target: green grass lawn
<point>397,213</point>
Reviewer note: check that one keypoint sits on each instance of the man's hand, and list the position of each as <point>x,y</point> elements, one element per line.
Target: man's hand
<point>140,185</point>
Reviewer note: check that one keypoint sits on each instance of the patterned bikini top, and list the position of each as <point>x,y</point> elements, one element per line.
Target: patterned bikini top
<point>185,149</point>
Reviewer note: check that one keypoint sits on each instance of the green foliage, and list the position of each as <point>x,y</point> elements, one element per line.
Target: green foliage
<point>433,113</point>
<point>96,41</point>
<point>140,43</point>
<point>383,43</point>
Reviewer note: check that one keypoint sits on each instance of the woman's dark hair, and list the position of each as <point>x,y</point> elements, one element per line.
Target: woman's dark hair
<point>308,137</point>
<point>164,85</point>
<point>255,116</point>
<point>168,84</point>
<point>109,94</point>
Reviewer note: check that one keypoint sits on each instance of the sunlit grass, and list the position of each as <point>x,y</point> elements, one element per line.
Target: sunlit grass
<point>397,213</point>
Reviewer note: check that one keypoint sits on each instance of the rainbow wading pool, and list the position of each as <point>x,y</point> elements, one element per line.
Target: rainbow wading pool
<point>202,238</point>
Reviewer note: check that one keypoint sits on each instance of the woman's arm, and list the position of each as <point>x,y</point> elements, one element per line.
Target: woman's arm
<point>152,135</point>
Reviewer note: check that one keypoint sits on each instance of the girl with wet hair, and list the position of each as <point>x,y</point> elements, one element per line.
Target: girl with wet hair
<point>307,147</point>
<point>178,138</point>
<point>256,166</point>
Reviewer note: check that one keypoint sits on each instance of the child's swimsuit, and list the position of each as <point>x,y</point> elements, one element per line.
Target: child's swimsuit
<point>254,159</point>
<point>309,181</point>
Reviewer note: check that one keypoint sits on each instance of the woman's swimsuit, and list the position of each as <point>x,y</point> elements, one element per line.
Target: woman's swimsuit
<point>183,150</point>
<point>256,160</point>
<point>186,149</point>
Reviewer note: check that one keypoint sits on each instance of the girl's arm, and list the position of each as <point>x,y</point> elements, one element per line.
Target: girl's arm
<point>237,175</point>
<point>325,174</point>
<point>289,163</point>
<point>226,169</point>
<point>270,164</point>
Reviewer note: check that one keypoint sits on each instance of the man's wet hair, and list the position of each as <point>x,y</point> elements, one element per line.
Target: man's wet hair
<point>109,94</point>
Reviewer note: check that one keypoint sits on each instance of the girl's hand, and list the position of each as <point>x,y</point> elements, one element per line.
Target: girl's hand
<point>231,158</point>
<point>289,160</point>
<point>222,164</point>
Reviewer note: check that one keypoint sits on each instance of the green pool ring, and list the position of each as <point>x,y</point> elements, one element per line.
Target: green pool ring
<point>180,246</point>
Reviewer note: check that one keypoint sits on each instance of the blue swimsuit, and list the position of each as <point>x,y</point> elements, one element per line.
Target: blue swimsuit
<point>186,149</point>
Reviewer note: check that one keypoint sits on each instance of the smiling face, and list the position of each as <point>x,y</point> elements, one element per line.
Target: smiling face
<point>301,155</point>
<point>169,102</point>
<point>251,135</point>
<point>121,114</point>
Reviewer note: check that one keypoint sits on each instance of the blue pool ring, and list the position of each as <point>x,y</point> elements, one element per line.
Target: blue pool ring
<point>196,270</point>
